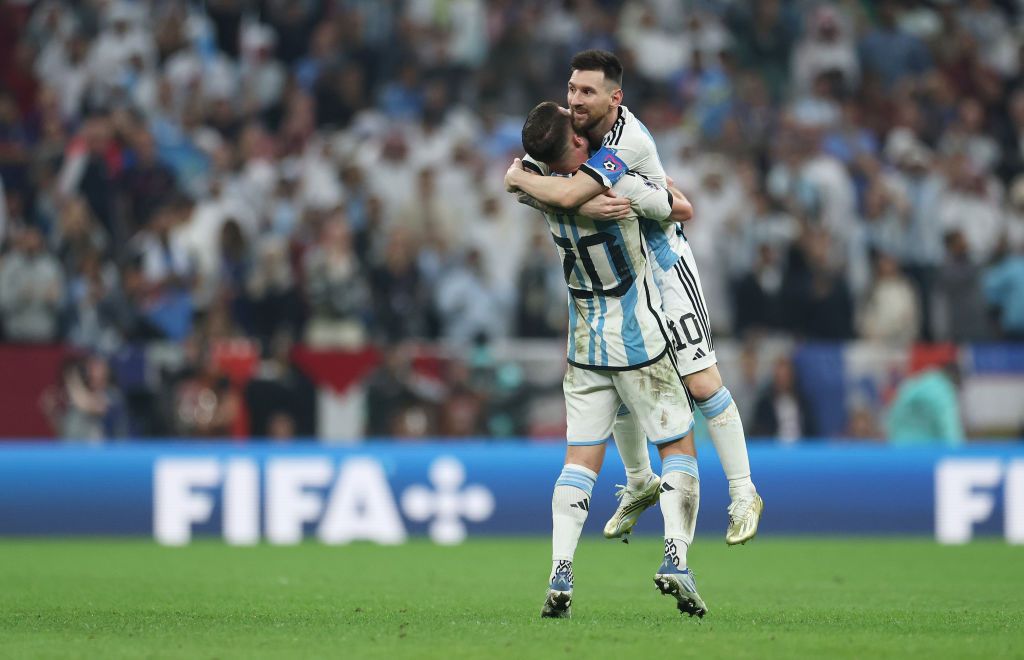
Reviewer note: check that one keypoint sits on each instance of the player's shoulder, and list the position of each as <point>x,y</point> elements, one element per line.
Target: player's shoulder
<point>535,166</point>
<point>628,131</point>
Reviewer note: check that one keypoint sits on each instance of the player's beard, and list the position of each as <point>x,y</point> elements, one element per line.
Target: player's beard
<point>588,121</point>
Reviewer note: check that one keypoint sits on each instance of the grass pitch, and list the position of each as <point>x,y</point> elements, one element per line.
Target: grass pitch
<point>771,598</point>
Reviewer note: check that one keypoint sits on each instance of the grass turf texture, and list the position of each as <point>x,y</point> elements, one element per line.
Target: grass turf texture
<point>771,598</point>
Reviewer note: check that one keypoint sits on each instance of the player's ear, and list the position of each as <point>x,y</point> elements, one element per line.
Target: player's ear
<point>617,98</point>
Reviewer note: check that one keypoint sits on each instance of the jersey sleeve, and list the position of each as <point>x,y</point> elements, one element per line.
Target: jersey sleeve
<point>605,166</point>
<point>648,199</point>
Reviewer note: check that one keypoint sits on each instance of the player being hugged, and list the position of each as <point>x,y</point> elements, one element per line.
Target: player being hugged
<point>620,143</point>
<point>619,352</point>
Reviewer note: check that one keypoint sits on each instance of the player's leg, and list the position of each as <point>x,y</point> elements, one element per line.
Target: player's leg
<point>642,485</point>
<point>657,397</point>
<point>680,503</point>
<point>726,430</point>
<point>631,443</point>
<point>591,403</point>
<point>683,301</point>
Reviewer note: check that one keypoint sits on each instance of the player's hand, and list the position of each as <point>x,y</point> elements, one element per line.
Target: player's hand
<point>564,111</point>
<point>670,182</point>
<point>514,170</point>
<point>608,206</point>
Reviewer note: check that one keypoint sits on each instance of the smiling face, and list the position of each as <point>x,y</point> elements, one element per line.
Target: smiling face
<point>592,98</point>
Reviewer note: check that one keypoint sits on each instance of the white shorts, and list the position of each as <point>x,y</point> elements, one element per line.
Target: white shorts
<point>655,395</point>
<point>683,301</point>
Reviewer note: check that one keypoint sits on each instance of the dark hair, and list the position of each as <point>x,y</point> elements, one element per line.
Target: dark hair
<point>598,60</point>
<point>546,132</point>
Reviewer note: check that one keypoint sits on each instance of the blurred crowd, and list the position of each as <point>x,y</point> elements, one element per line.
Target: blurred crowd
<point>328,172</point>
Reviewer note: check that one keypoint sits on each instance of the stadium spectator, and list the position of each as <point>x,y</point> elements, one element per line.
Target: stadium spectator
<point>818,304</point>
<point>926,409</point>
<point>764,34</point>
<point>539,308</point>
<point>275,302</point>
<point>31,290</point>
<point>400,401</point>
<point>961,312</point>
<point>827,45</point>
<point>888,51</point>
<point>125,307</point>
<point>205,404</point>
<point>281,400</point>
<point>401,301</point>
<point>890,314</point>
<point>337,289</point>
<point>1004,289</point>
<point>77,235</point>
<point>782,412</point>
<point>757,298</point>
<point>468,305</point>
<point>88,407</point>
<point>146,183</point>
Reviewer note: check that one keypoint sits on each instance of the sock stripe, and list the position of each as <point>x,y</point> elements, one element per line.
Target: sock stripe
<point>716,405</point>
<point>680,463</point>
<point>577,477</point>
<point>585,486</point>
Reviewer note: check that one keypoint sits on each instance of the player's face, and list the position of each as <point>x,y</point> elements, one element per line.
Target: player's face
<point>590,98</point>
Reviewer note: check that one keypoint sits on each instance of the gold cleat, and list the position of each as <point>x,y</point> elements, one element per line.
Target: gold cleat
<point>631,504</point>
<point>744,516</point>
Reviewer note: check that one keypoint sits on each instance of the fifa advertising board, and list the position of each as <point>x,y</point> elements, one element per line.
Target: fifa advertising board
<point>388,492</point>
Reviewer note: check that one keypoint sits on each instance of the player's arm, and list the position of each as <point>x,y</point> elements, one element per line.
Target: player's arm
<point>655,202</point>
<point>682,209</point>
<point>667,205</point>
<point>598,174</point>
<point>524,198</point>
<point>557,191</point>
<point>601,207</point>
<point>535,168</point>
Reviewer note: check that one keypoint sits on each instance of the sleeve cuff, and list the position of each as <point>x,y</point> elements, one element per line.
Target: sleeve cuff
<point>595,175</point>
<point>532,166</point>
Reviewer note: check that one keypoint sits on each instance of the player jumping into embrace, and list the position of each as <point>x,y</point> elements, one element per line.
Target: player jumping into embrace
<point>619,352</point>
<point>616,137</point>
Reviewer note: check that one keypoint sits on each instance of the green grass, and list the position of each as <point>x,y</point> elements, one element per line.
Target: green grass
<point>771,598</point>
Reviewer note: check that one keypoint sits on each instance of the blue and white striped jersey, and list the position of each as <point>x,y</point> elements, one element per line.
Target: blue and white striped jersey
<point>629,147</point>
<point>615,317</point>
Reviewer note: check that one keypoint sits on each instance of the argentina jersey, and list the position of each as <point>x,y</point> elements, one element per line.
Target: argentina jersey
<point>630,148</point>
<point>615,317</point>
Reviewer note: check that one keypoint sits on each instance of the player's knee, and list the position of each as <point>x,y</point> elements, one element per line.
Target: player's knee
<point>589,456</point>
<point>703,384</point>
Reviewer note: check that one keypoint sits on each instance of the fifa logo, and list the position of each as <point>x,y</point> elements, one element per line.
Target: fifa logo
<point>965,495</point>
<point>296,495</point>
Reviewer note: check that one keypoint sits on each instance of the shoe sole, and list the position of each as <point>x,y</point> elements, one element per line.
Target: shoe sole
<point>687,603</point>
<point>753,533</point>
<point>557,606</point>
<point>632,519</point>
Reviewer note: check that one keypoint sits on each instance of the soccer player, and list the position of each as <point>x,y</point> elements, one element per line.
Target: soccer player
<point>623,144</point>
<point>619,351</point>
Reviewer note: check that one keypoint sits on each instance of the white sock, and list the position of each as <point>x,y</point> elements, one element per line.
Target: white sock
<point>631,443</point>
<point>570,505</point>
<point>680,501</point>
<point>726,431</point>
